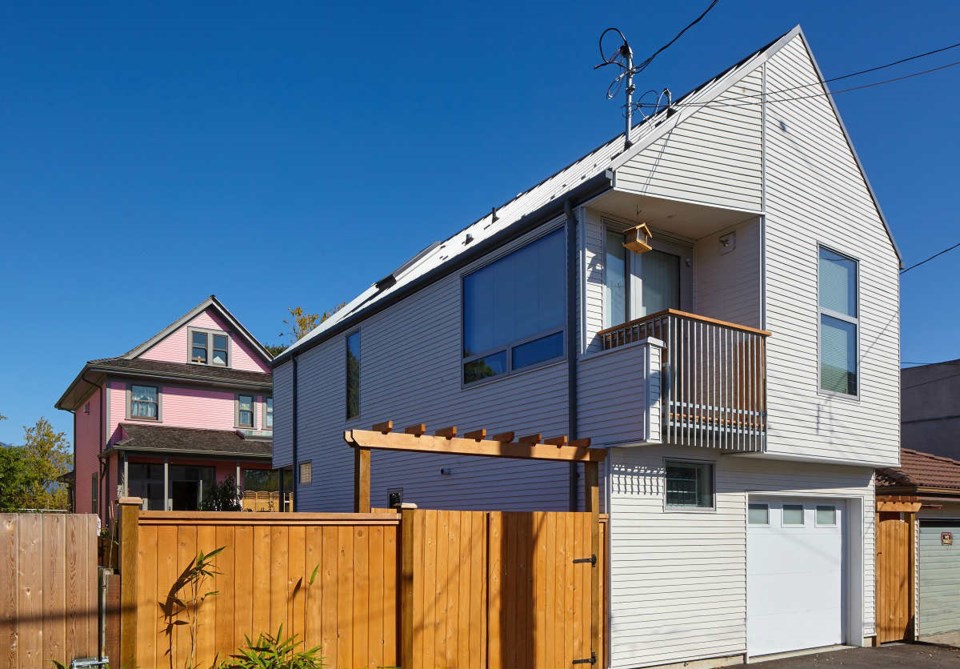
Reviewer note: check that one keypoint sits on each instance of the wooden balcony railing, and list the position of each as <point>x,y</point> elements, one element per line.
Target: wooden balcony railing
<point>714,390</point>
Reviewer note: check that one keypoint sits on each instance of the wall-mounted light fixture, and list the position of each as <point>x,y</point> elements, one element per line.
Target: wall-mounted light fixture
<point>638,239</point>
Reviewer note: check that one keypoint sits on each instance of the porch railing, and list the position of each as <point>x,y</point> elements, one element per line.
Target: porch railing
<point>714,390</point>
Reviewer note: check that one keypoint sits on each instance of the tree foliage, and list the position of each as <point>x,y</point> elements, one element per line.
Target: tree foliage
<point>29,474</point>
<point>223,496</point>
<point>299,325</point>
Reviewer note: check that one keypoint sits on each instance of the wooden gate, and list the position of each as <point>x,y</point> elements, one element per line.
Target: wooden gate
<point>497,590</point>
<point>895,587</point>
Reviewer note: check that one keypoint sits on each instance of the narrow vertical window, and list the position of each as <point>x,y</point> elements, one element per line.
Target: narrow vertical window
<point>268,414</point>
<point>245,411</point>
<point>353,375</point>
<point>94,493</point>
<point>198,350</point>
<point>220,355</point>
<point>615,273</point>
<point>839,323</point>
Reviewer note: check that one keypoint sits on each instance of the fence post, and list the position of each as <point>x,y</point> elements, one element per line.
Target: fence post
<point>361,480</point>
<point>407,518</point>
<point>129,558</point>
<point>591,479</point>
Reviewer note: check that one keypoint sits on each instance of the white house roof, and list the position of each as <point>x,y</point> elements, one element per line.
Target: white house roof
<point>549,191</point>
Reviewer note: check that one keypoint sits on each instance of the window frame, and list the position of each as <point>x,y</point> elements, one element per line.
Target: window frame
<point>686,508</point>
<point>210,337</point>
<point>253,411</point>
<point>309,465</point>
<point>793,505</point>
<point>816,515</point>
<point>346,374</point>
<point>267,412</point>
<point>855,321</point>
<point>766,506</point>
<point>129,403</point>
<point>507,349</point>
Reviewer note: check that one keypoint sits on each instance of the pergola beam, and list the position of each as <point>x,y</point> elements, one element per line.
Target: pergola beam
<point>397,441</point>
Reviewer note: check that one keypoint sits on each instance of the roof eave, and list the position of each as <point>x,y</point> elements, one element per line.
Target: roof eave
<point>182,378</point>
<point>582,192</point>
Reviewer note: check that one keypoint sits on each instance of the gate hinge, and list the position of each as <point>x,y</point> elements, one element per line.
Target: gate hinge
<point>587,660</point>
<point>592,560</point>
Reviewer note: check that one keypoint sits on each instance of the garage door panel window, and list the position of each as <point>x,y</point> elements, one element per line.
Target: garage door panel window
<point>792,515</point>
<point>689,485</point>
<point>759,514</point>
<point>826,516</point>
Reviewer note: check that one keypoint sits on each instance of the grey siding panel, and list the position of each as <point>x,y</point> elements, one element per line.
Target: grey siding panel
<point>282,415</point>
<point>815,193</point>
<point>726,285</point>
<point>666,565</point>
<point>712,157</point>
<point>410,373</point>
<point>939,578</point>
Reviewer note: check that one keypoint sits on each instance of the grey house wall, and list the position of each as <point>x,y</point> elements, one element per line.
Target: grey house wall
<point>930,408</point>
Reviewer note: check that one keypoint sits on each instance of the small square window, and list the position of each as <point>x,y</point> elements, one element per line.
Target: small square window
<point>306,472</point>
<point>826,515</point>
<point>689,485</point>
<point>759,514</point>
<point>793,514</point>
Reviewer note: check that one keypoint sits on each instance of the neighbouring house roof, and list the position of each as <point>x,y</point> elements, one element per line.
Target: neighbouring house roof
<point>191,441</point>
<point>586,177</point>
<point>210,302</point>
<point>129,364</point>
<point>921,471</point>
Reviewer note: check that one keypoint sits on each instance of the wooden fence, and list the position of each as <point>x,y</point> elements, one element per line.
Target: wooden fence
<point>48,589</point>
<point>435,589</point>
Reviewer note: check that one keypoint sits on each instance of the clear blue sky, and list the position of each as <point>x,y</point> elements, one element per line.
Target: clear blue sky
<point>279,154</point>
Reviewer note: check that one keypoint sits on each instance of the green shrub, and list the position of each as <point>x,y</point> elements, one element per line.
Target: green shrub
<point>274,652</point>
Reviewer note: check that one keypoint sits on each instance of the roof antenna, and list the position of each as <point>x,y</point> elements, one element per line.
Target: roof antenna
<point>622,57</point>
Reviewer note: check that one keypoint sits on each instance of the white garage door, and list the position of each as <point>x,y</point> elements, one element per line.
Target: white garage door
<point>794,575</point>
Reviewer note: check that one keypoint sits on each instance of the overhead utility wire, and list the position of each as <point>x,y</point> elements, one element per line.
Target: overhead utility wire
<point>642,66</point>
<point>876,68</point>
<point>925,261</point>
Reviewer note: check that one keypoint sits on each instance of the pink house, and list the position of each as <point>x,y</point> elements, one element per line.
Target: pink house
<point>190,407</point>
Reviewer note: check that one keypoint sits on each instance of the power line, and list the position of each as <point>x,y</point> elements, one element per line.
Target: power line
<point>646,63</point>
<point>926,260</point>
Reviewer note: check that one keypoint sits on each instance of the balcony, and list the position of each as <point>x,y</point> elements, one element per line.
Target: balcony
<point>712,379</point>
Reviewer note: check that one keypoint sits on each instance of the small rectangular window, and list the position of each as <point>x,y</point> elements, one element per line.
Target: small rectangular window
<point>268,414</point>
<point>245,411</point>
<point>826,515</point>
<point>793,514</point>
<point>839,323</point>
<point>689,485</point>
<point>144,402</point>
<point>353,375</point>
<point>759,514</point>
<point>94,493</point>
<point>306,472</point>
<point>198,350</point>
<point>220,350</point>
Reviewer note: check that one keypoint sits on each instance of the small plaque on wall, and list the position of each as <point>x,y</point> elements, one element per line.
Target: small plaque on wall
<point>946,538</point>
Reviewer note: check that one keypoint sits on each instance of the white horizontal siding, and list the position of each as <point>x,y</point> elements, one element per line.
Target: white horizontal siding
<point>712,157</point>
<point>726,284</point>
<point>678,579</point>
<point>815,193</point>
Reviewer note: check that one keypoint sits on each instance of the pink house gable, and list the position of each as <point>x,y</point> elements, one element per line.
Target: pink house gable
<point>175,346</point>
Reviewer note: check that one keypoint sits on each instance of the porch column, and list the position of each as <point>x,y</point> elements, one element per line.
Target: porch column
<point>125,484</point>
<point>166,484</point>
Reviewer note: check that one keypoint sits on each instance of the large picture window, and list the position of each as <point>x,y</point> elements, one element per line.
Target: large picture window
<point>839,322</point>
<point>513,310</point>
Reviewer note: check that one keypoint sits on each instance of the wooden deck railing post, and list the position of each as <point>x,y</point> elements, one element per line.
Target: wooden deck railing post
<point>129,562</point>
<point>407,518</point>
<point>591,481</point>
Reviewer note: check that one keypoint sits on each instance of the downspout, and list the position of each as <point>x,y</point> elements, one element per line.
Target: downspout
<point>296,495</point>
<point>104,484</point>
<point>573,329</point>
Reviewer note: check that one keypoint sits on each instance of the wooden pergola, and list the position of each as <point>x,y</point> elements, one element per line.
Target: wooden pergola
<point>446,441</point>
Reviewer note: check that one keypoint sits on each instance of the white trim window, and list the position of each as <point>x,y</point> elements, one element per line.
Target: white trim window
<point>267,413</point>
<point>514,309</point>
<point>689,485</point>
<point>839,323</point>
